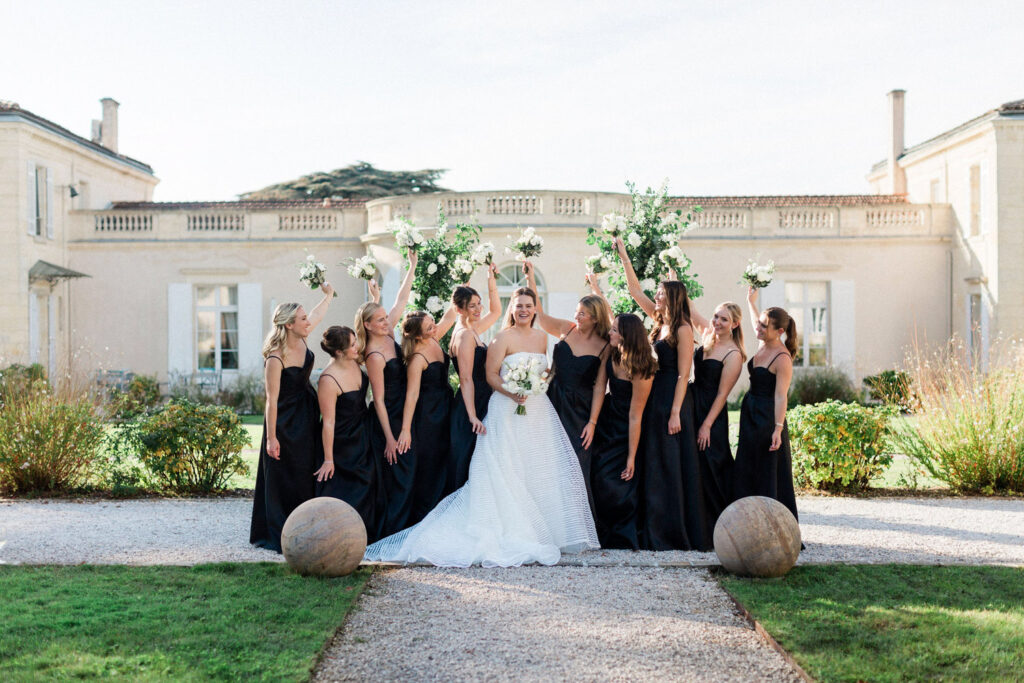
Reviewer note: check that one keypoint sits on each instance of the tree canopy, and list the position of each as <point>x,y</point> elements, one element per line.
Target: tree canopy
<point>357,181</point>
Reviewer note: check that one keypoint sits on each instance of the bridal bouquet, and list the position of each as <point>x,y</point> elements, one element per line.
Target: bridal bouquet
<point>483,254</point>
<point>613,225</point>
<point>598,263</point>
<point>462,269</point>
<point>526,377</point>
<point>757,276</point>
<point>674,258</point>
<point>312,273</point>
<point>406,234</point>
<point>527,246</point>
<point>363,268</point>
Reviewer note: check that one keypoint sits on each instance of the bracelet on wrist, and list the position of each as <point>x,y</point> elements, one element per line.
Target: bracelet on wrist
<point>780,424</point>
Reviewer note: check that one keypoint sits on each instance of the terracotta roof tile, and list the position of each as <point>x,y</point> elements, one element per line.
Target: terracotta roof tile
<point>758,201</point>
<point>243,205</point>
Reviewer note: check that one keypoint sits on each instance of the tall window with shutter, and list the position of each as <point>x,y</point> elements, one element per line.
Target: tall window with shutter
<point>807,303</point>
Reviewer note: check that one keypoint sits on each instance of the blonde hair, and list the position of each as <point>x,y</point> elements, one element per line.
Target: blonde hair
<point>412,330</point>
<point>736,317</point>
<point>599,310</point>
<point>363,316</point>
<point>510,314</point>
<point>284,314</point>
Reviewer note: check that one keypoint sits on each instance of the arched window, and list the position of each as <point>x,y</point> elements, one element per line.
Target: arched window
<point>510,278</point>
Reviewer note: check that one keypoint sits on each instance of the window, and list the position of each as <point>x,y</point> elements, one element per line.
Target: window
<point>974,302</point>
<point>510,278</point>
<point>807,303</point>
<point>975,200</point>
<point>935,191</point>
<point>40,201</point>
<point>216,328</point>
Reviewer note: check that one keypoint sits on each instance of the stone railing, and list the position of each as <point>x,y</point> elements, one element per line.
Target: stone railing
<point>216,222</point>
<point>123,223</point>
<point>299,222</point>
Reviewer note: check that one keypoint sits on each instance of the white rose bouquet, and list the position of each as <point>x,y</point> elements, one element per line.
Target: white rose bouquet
<point>526,377</point>
<point>598,263</point>
<point>483,254</point>
<point>406,234</point>
<point>674,258</point>
<point>528,245</point>
<point>613,225</point>
<point>462,269</point>
<point>312,273</point>
<point>363,268</point>
<point>757,276</point>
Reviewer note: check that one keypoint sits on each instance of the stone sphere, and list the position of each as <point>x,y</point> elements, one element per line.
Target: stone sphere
<point>757,536</point>
<point>324,537</point>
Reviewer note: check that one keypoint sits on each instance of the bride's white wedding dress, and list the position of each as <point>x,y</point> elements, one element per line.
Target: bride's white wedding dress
<point>525,500</point>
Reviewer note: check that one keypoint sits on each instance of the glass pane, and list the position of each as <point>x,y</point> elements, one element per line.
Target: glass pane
<point>817,355</point>
<point>229,360</point>
<point>229,331</point>
<point>204,325</point>
<point>229,296</point>
<point>205,296</point>
<point>817,292</point>
<point>205,360</point>
<point>794,293</point>
<point>819,321</point>
<point>509,276</point>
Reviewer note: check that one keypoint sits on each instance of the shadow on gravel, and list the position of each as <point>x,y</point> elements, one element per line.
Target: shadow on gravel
<point>875,524</point>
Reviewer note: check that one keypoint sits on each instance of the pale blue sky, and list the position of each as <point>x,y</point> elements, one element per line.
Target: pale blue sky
<point>724,97</point>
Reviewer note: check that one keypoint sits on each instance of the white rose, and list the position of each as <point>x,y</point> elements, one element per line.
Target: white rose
<point>434,304</point>
<point>535,240</point>
<point>432,268</point>
<point>605,262</point>
<point>634,239</point>
<point>417,238</point>
<point>309,258</point>
<point>442,259</point>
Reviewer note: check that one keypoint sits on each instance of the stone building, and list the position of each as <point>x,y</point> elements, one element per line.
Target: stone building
<point>97,274</point>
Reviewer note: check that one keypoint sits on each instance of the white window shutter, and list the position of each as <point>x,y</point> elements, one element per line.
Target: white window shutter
<point>49,202</point>
<point>772,295</point>
<point>30,199</point>
<point>250,326</point>
<point>842,317</point>
<point>51,334</point>
<point>33,327</point>
<point>180,334</point>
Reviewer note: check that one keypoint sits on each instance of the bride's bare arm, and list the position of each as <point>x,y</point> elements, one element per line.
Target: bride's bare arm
<point>496,353</point>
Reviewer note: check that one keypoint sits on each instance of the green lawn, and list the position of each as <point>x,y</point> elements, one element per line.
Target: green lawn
<point>890,623</point>
<point>219,622</point>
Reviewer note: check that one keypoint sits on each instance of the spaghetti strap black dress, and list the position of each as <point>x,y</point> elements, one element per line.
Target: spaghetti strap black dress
<point>398,479</point>
<point>356,477</point>
<point>571,392</point>
<point>284,484</point>
<point>462,438</point>
<point>716,463</point>
<point>671,499</point>
<point>760,471</point>
<point>431,438</point>
<point>615,500</point>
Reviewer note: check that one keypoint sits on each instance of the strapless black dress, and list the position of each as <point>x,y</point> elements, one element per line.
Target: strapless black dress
<point>282,485</point>
<point>716,463</point>
<point>462,438</point>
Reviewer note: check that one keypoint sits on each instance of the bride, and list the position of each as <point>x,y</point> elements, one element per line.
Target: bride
<point>525,500</point>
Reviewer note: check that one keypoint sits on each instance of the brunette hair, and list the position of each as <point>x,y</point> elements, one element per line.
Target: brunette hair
<point>363,315</point>
<point>736,316</point>
<point>676,312</point>
<point>781,320</point>
<point>462,295</point>
<point>284,314</point>
<point>510,316</point>
<point>337,339</point>
<point>412,330</point>
<point>598,309</point>
<point>634,354</point>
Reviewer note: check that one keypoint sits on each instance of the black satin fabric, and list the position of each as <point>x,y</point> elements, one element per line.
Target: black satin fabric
<point>571,392</point>
<point>462,438</point>
<point>671,499</point>
<point>716,463</point>
<point>282,485</point>
<point>431,438</point>
<point>357,475</point>
<point>760,471</point>
<point>615,501</point>
<point>399,478</point>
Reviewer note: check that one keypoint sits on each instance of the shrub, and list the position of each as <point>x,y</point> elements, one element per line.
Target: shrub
<point>17,380</point>
<point>891,387</point>
<point>187,447</point>
<point>246,394</point>
<point>48,443</point>
<point>821,384</point>
<point>968,427</point>
<point>838,446</point>
<point>142,393</point>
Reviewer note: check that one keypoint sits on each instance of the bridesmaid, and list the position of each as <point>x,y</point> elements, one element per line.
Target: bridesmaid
<point>716,366</point>
<point>629,372</point>
<point>380,353</point>
<point>348,471</point>
<point>290,449</point>
<point>763,462</point>
<point>578,356</point>
<point>426,415</point>
<point>672,509</point>
<point>469,355</point>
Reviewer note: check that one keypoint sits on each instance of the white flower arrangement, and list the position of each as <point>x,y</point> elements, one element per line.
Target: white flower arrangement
<point>363,268</point>
<point>406,234</point>
<point>434,304</point>
<point>431,269</point>
<point>483,254</point>
<point>634,239</point>
<point>670,237</point>
<point>598,263</point>
<point>613,224</point>
<point>527,246</point>
<point>442,259</point>
<point>526,377</point>
<point>312,273</point>
<point>462,269</point>
<point>674,258</point>
<point>757,276</point>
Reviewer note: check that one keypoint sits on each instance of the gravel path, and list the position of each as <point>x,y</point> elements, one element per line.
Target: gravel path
<point>544,624</point>
<point>850,530</point>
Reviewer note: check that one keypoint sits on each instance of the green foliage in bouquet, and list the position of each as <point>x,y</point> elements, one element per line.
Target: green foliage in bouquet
<point>839,446</point>
<point>649,232</point>
<point>441,264</point>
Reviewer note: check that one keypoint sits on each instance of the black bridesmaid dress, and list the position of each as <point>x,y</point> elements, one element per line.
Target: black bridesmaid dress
<point>398,479</point>
<point>671,500</point>
<point>431,434</point>
<point>356,477</point>
<point>282,485</point>
<point>716,463</point>
<point>571,392</point>
<point>463,440</point>
<point>760,471</point>
<point>615,500</point>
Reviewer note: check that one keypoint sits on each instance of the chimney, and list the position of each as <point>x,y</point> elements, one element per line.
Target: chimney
<point>897,176</point>
<point>108,129</point>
